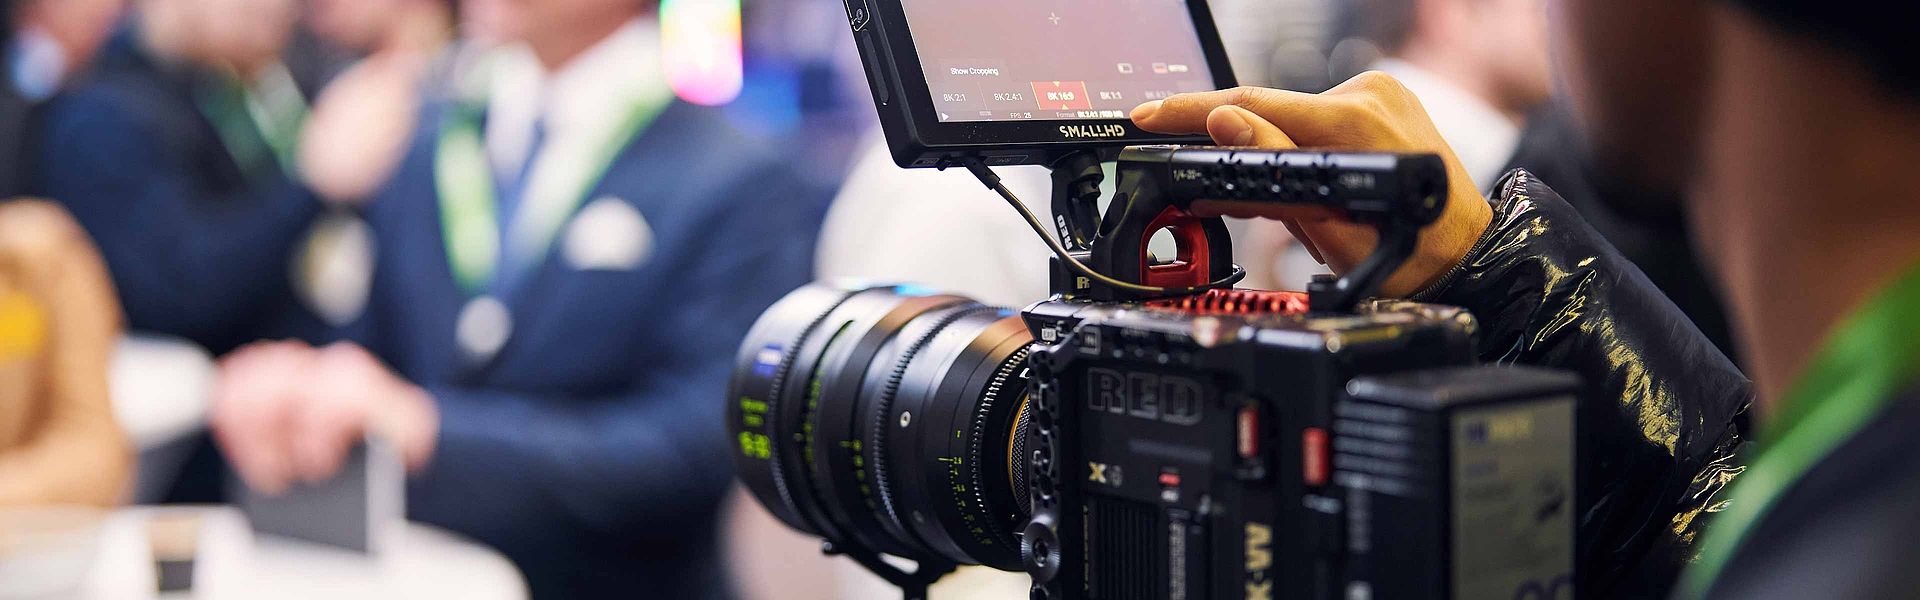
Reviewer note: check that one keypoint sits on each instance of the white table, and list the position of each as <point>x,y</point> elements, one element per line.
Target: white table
<point>161,387</point>
<point>233,563</point>
<point>161,390</point>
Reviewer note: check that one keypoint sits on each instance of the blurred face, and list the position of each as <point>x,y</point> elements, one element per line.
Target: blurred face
<point>534,20</point>
<point>1636,74</point>
<point>489,21</point>
<point>240,33</point>
<point>351,24</point>
<point>1517,55</point>
<point>81,26</point>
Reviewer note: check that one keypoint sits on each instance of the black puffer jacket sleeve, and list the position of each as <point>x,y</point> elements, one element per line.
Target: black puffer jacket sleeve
<point>1664,418</point>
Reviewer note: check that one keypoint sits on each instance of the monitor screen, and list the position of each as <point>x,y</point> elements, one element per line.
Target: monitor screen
<point>1019,60</point>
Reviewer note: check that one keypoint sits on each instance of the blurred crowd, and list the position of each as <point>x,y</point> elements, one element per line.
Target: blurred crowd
<point>519,240</point>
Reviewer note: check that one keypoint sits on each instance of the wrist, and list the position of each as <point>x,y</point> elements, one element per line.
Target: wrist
<point>1443,247</point>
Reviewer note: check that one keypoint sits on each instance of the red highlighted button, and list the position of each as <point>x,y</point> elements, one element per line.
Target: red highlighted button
<point>1062,95</point>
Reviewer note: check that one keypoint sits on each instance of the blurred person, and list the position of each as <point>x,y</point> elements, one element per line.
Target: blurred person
<point>487,22</point>
<point>359,127</point>
<point>1491,98</point>
<point>936,228</point>
<point>59,441</point>
<point>362,120</point>
<point>565,268</point>
<point>177,157</point>
<point>43,45</point>
<point>373,27</point>
<point>1480,67</point>
<point>14,112</point>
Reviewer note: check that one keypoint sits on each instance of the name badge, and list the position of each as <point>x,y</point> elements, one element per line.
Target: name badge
<point>483,328</point>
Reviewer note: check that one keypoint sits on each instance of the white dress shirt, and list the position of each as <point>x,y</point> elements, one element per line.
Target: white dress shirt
<point>579,106</point>
<point>1480,135</point>
<point>938,228</point>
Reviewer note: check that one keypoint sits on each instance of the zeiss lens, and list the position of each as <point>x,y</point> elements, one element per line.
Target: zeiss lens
<point>886,416</point>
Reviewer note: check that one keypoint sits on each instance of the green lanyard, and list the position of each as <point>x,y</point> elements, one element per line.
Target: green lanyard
<point>464,181</point>
<point>1853,378</point>
<point>256,126</point>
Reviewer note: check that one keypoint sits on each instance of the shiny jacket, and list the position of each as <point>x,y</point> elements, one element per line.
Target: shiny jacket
<point>1662,425</point>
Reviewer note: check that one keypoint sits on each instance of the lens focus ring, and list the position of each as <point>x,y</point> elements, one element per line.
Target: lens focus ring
<point>884,418</point>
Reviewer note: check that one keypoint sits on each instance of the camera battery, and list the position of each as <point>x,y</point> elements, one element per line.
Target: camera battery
<point>1457,483</point>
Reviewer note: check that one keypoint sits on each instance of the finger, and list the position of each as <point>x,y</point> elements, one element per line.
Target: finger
<point>412,425</point>
<point>1306,241</point>
<point>1303,116</point>
<point>1235,126</point>
<point>334,416</point>
<point>247,421</point>
<point>323,431</point>
<point>251,401</point>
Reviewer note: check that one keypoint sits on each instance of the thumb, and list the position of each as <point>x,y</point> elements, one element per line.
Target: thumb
<point>1235,126</point>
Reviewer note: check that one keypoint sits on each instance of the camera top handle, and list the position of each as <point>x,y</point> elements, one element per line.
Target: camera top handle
<point>1187,189</point>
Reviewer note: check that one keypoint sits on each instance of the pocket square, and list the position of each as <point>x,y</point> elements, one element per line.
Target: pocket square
<point>608,234</point>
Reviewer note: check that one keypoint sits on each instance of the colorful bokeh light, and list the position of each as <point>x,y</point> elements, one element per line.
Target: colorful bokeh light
<point>700,42</point>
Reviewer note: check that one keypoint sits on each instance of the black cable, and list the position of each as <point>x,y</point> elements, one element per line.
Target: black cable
<point>988,178</point>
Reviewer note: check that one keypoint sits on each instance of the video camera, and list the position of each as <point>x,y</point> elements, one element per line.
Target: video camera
<point>1148,432</point>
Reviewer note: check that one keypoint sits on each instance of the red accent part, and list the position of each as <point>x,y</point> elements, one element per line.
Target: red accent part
<point>1192,267</point>
<point>1062,95</point>
<point>1236,302</point>
<point>1249,431</point>
<point>1313,456</point>
<point>1170,479</point>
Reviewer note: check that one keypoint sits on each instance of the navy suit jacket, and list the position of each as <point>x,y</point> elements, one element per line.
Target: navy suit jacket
<point>15,135</point>
<point>197,246</point>
<point>590,449</point>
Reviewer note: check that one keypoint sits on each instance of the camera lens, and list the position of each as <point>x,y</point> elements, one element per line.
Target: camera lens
<point>888,417</point>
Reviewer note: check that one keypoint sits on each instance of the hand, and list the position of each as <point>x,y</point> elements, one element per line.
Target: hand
<point>253,396</point>
<point>1371,112</point>
<point>350,395</point>
<point>284,411</point>
<point>357,132</point>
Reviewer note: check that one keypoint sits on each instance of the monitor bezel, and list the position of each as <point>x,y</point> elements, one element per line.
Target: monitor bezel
<point>917,138</point>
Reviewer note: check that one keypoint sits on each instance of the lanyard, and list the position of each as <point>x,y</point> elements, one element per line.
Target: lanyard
<point>469,225</point>
<point>1853,378</point>
<point>256,126</point>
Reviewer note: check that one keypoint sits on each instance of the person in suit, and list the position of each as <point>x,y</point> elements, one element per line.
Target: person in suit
<point>362,120</point>
<point>566,267</point>
<point>13,116</point>
<point>175,156</point>
<point>44,44</point>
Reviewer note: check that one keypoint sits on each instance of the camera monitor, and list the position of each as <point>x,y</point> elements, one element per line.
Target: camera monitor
<point>1025,81</point>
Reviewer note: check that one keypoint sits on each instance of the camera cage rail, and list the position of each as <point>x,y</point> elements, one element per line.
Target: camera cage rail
<point>1188,189</point>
